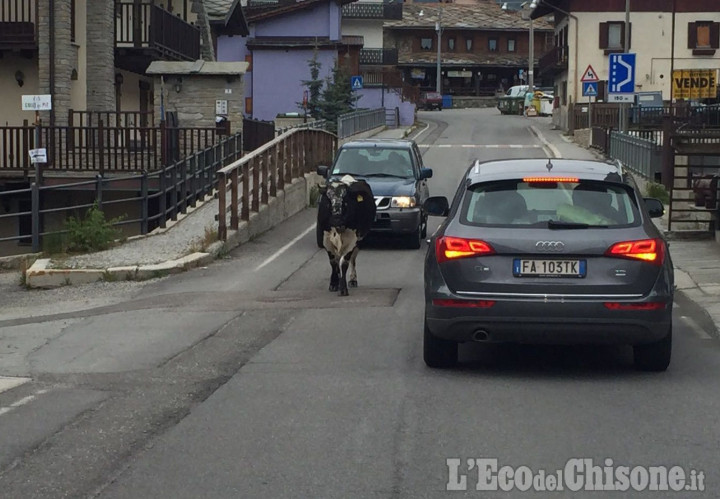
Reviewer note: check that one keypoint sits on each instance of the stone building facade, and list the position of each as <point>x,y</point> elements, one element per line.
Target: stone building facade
<point>200,92</point>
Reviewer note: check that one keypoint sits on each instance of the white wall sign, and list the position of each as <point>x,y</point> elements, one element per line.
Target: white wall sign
<point>36,102</point>
<point>38,155</point>
<point>221,107</point>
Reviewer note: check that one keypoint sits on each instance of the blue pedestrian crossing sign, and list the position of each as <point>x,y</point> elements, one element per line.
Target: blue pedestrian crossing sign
<point>590,89</point>
<point>356,82</point>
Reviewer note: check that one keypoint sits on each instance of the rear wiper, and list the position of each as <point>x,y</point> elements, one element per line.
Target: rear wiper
<point>556,224</point>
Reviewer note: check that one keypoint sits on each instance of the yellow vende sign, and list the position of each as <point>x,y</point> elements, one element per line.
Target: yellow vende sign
<point>695,83</point>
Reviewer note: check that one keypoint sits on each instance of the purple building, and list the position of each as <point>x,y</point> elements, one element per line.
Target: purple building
<point>283,37</point>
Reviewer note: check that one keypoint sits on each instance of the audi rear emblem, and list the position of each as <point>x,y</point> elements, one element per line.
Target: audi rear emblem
<point>549,245</point>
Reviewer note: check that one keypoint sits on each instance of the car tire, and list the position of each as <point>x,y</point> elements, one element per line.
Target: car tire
<point>438,353</point>
<point>654,356</point>
<point>319,236</point>
<point>414,240</point>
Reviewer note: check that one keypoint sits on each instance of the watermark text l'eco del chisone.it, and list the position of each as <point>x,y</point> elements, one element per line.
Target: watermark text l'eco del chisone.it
<point>487,474</point>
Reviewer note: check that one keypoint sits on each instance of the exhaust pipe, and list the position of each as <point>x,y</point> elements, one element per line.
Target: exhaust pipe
<point>480,335</point>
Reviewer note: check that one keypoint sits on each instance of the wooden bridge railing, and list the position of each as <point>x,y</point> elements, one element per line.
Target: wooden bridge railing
<point>256,177</point>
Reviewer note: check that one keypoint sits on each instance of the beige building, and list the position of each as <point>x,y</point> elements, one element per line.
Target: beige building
<point>92,58</point>
<point>663,39</point>
<point>92,55</point>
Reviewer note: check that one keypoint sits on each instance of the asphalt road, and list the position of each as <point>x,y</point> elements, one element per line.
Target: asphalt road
<point>248,379</point>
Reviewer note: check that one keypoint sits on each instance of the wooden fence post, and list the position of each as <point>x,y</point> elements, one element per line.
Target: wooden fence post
<point>234,222</point>
<point>245,210</point>
<point>222,206</point>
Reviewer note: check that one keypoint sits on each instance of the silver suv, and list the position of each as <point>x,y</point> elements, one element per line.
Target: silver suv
<point>548,251</point>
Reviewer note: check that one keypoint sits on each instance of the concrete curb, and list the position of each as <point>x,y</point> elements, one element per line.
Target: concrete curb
<point>288,202</point>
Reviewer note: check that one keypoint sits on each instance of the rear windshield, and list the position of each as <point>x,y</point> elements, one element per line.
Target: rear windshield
<point>374,161</point>
<point>433,95</point>
<point>519,203</point>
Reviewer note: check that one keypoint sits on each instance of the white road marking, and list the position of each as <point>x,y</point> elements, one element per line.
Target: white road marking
<point>21,402</point>
<point>696,329</point>
<point>285,248</point>
<point>9,383</point>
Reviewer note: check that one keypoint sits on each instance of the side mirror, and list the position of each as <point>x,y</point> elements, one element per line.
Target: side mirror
<point>322,171</point>
<point>437,206</point>
<point>426,173</point>
<point>655,207</point>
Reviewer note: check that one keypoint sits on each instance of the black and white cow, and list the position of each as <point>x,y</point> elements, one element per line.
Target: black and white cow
<point>346,211</point>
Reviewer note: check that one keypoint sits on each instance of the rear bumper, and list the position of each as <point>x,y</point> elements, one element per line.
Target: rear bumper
<point>572,322</point>
<point>396,221</point>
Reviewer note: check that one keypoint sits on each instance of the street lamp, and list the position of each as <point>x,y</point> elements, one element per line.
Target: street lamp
<point>438,30</point>
<point>527,8</point>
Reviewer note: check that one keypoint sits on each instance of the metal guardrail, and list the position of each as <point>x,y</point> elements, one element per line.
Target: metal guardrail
<point>359,121</point>
<point>171,189</point>
<point>641,155</point>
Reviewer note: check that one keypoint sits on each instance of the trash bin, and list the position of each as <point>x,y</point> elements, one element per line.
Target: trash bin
<point>447,101</point>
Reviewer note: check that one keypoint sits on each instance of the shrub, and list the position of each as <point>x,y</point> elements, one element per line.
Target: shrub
<point>655,190</point>
<point>93,233</point>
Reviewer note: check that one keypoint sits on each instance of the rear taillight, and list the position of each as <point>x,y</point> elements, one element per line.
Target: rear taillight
<point>447,302</point>
<point>452,248</point>
<point>655,305</point>
<point>647,250</point>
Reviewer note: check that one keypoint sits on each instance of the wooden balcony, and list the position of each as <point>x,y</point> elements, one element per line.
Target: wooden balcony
<point>555,61</point>
<point>367,10</point>
<point>145,32</point>
<point>378,57</point>
<point>18,25</point>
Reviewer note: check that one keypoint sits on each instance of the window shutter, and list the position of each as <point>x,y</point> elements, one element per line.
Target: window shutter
<point>715,35</point>
<point>603,35</point>
<point>692,35</point>
<point>622,36</point>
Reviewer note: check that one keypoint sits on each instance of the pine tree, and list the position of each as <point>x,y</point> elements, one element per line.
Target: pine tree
<point>337,98</point>
<point>314,86</point>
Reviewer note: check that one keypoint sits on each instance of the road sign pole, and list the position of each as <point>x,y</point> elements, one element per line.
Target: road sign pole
<point>625,108</point>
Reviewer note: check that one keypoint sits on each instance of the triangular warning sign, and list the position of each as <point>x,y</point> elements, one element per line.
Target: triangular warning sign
<point>357,84</point>
<point>589,75</point>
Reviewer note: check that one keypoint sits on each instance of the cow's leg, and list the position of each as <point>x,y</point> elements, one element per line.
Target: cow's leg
<point>353,268</point>
<point>335,273</point>
<point>344,263</point>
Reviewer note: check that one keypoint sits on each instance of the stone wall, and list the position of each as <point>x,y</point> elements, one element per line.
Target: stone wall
<point>65,57</point>
<point>195,102</point>
<point>100,55</point>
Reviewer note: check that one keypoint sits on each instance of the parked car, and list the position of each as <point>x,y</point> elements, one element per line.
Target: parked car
<point>430,101</point>
<point>396,174</point>
<point>548,251</point>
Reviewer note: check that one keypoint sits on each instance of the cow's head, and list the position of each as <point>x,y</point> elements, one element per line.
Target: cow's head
<point>336,192</point>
